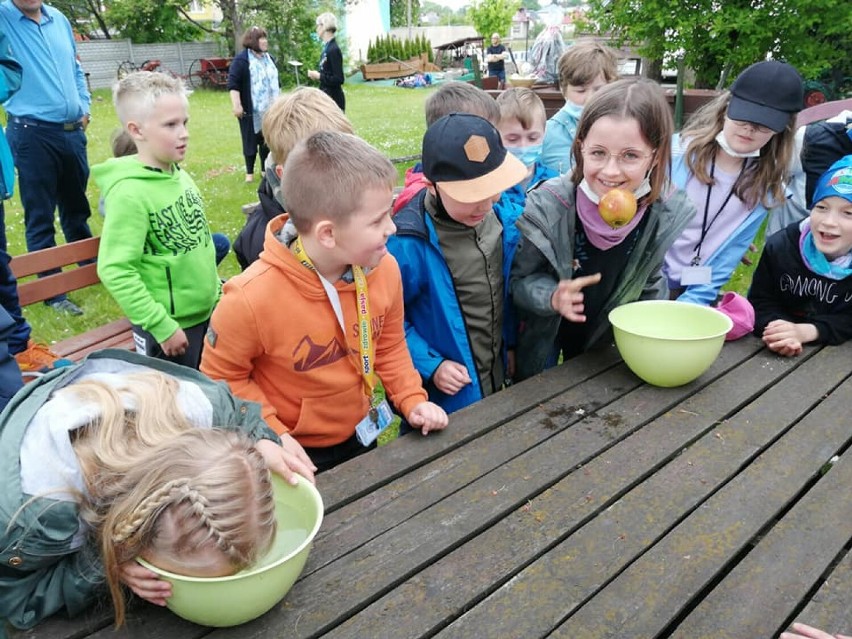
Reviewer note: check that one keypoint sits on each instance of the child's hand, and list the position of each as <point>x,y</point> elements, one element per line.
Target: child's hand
<point>450,377</point>
<point>802,631</point>
<point>786,338</point>
<point>145,583</point>
<point>428,416</point>
<point>287,459</point>
<point>176,344</point>
<point>567,299</point>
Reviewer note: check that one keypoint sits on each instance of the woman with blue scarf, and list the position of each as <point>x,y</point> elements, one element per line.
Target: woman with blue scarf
<point>802,289</point>
<point>253,85</point>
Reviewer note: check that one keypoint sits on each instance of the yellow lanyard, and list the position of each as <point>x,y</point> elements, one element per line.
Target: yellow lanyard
<point>365,337</point>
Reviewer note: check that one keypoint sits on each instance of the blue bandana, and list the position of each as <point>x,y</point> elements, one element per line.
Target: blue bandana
<point>816,261</point>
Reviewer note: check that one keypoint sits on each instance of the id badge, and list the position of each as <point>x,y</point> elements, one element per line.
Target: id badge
<point>691,275</point>
<point>368,429</point>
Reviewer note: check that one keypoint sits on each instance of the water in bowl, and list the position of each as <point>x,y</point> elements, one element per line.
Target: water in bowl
<point>293,528</point>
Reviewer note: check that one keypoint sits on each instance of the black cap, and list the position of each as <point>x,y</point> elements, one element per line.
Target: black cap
<point>768,93</point>
<point>464,155</point>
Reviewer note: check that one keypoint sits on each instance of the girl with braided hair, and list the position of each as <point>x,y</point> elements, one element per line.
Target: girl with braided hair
<point>123,456</point>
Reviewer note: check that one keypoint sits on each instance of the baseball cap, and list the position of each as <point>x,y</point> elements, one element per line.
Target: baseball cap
<point>464,155</point>
<point>836,182</point>
<point>741,312</point>
<point>768,93</point>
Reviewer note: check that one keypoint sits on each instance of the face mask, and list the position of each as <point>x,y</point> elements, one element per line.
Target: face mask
<point>315,36</point>
<point>723,142</point>
<point>573,110</point>
<point>529,155</point>
<point>639,192</point>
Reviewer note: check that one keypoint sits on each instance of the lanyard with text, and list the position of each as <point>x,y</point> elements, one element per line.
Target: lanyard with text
<point>365,337</point>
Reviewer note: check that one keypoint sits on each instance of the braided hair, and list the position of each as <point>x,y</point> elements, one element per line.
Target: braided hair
<point>156,482</point>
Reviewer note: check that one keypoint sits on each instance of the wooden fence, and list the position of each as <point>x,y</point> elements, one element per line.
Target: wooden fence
<point>100,58</point>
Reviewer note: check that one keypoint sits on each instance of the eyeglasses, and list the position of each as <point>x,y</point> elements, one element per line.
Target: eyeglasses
<point>757,127</point>
<point>630,158</point>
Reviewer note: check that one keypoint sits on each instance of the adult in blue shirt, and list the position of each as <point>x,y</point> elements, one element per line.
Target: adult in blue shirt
<point>46,126</point>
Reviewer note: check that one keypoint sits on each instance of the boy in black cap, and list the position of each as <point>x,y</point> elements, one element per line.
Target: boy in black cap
<point>454,254</point>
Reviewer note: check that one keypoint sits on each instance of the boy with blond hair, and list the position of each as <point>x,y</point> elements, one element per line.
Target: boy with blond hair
<point>313,367</point>
<point>454,253</point>
<point>452,97</point>
<point>292,117</point>
<point>583,69</point>
<point>521,127</point>
<point>157,257</point>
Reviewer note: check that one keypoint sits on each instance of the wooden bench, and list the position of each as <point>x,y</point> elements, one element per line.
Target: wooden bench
<point>116,334</point>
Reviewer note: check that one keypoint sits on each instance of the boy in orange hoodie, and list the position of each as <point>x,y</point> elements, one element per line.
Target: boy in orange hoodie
<point>301,329</point>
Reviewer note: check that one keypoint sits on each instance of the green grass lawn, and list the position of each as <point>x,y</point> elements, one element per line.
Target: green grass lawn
<point>390,118</point>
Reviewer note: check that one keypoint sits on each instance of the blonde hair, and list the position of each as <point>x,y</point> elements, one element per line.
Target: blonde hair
<point>461,97</point>
<point>326,174</point>
<point>637,99</point>
<point>522,104</point>
<point>135,95</point>
<point>328,21</point>
<point>584,62</point>
<point>296,115</point>
<point>143,463</point>
<point>761,181</point>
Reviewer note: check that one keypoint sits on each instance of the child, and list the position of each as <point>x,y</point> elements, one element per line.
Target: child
<point>454,254</point>
<point>123,456</point>
<point>521,127</point>
<point>802,286</point>
<point>622,142</point>
<point>122,144</point>
<point>157,257</point>
<point>731,159</point>
<point>452,97</point>
<point>583,70</point>
<point>291,118</point>
<point>298,330</point>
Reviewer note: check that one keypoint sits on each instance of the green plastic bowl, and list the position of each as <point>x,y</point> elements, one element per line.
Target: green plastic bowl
<point>232,600</point>
<point>668,343</point>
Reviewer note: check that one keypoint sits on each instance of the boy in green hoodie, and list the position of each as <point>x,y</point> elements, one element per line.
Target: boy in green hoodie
<point>157,257</point>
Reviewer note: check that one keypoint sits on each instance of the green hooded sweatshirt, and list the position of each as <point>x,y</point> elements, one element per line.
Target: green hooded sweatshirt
<point>156,256</point>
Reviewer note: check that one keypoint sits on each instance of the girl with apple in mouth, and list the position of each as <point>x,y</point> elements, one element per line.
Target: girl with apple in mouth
<point>731,159</point>
<point>596,238</point>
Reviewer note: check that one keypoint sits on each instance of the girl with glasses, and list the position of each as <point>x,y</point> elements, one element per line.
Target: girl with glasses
<point>572,266</point>
<point>731,159</point>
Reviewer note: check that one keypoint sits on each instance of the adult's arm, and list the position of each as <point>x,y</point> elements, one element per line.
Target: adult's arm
<point>331,74</point>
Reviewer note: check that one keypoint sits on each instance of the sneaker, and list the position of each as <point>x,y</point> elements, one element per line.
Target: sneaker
<point>36,357</point>
<point>65,306</point>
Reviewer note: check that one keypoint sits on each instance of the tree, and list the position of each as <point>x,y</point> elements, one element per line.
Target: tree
<point>399,12</point>
<point>719,39</point>
<point>143,21</point>
<point>493,16</point>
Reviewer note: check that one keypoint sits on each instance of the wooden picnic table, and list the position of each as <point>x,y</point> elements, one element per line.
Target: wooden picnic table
<point>584,503</point>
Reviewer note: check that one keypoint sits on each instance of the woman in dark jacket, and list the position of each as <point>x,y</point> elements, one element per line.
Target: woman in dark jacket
<point>330,74</point>
<point>253,85</point>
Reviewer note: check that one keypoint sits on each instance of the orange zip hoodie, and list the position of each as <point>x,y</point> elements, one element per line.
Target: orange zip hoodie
<point>274,338</point>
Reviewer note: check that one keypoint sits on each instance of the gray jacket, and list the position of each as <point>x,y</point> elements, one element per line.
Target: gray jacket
<point>41,572</point>
<point>545,256</point>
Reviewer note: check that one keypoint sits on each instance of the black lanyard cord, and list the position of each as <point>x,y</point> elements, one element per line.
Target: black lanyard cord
<point>705,226</point>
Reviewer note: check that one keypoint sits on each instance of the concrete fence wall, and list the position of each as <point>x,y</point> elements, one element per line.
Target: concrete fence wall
<point>101,58</point>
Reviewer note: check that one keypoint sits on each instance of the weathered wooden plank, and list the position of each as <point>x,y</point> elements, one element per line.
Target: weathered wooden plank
<point>649,595</point>
<point>810,537</point>
<point>365,473</point>
<point>444,590</point>
<point>338,590</point>
<point>830,607</point>
<point>54,257</point>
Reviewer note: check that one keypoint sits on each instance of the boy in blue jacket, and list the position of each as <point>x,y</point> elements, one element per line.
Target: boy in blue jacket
<point>454,255</point>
